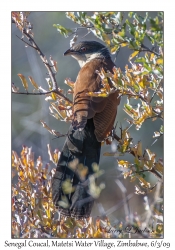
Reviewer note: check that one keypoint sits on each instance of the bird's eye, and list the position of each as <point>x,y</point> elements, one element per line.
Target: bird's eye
<point>83,49</point>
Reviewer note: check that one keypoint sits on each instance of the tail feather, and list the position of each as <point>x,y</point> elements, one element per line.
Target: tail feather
<point>80,151</point>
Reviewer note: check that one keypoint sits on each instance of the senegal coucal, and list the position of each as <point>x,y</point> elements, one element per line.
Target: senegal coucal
<point>93,120</point>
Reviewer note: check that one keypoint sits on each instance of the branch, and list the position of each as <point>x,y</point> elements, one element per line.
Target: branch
<point>81,27</point>
<point>43,58</point>
<point>148,49</point>
<point>25,42</point>
<point>27,93</point>
<point>45,93</point>
<point>49,67</point>
<point>155,116</point>
<point>158,114</point>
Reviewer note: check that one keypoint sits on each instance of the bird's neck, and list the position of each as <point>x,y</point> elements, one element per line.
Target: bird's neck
<point>96,55</point>
<point>104,53</point>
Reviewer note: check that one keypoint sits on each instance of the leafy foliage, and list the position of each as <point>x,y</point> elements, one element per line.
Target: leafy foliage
<point>142,81</point>
<point>35,216</point>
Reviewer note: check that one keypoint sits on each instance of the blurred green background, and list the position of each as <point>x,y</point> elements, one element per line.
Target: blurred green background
<point>27,111</point>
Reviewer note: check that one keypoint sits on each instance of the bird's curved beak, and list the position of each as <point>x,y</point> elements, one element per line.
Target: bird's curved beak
<point>68,52</point>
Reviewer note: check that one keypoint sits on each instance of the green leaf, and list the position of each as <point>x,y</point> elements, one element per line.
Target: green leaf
<point>117,18</point>
<point>144,21</point>
<point>128,107</point>
<point>123,30</point>
<point>150,38</point>
<point>140,59</point>
<point>136,88</point>
<point>158,73</point>
<point>160,14</point>
<point>62,30</point>
<point>155,24</point>
<point>147,66</point>
<point>130,14</point>
<point>161,129</point>
<point>81,15</point>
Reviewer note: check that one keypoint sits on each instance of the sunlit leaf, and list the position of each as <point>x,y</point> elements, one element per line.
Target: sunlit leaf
<point>143,182</point>
<point>106,39</point>
<point>158,167</point>
<point>24,81</point>
<point>159,61</point>
<point>139,149</point>
<point>114,49</point>
<point>97,94</point>
<point>133,55</point>
<point>54,97</point>
<point>62,30</point>
<point>123,164</point>
<point>33,82</point>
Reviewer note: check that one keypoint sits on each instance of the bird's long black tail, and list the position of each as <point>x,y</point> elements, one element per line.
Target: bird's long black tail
<point>70,182</point>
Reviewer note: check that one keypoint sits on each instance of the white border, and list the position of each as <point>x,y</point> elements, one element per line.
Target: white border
<point>5,97</point>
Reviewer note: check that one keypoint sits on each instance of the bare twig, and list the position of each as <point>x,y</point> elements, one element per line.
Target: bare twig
<point>125,198</point>
<point>45,93</point>
<point>116,54</point>
<point>156,196</point>
<point>155,92</point>
<point>156,139</point>
<point>27,93</point>
<point>159,114</point>
<point>148,49</point>
<point>25,42</point>
<point>81,27</point>
<point>119,204</point>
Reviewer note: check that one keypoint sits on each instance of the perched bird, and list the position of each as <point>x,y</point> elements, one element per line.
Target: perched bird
<point>93,120</point>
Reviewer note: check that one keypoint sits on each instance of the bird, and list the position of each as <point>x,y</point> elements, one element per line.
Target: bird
<point>93,120</point>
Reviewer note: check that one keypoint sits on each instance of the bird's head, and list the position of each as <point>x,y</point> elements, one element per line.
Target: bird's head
<point>85,51</point>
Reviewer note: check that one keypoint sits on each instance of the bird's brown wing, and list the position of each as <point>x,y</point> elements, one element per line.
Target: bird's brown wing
<point>102,110</point>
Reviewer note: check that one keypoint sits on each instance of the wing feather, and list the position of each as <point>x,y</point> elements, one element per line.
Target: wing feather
<point>102,110</point>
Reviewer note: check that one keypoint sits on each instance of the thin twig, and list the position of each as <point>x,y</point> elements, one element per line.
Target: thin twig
<point>150,50</point>
<point>116,54</point>
<point>120,204</point>
<point>25,42</point>
<point>155,116</point>
<point>45,93</point>
<point>125,198</point>
<point>156,139</point>
<point>75,31</point>
<point>155,92</point>
<point>159,114</point>
<point>156,196</point>
<point>27,93</point>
